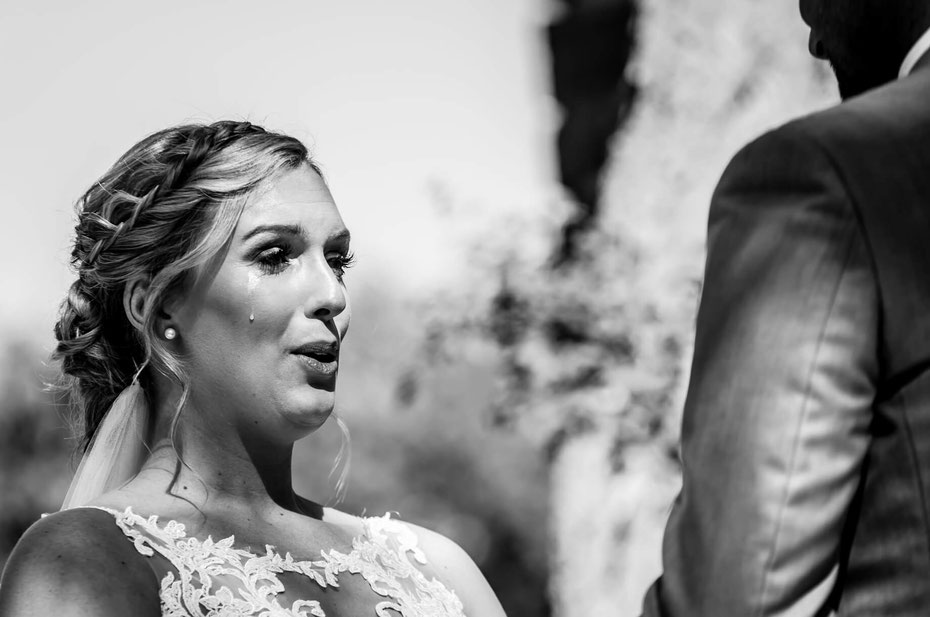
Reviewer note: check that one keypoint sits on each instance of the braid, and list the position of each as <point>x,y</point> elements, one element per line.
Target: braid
<point>181,161</point>
<point>167,205</point>
<point>114,231</point>
<point>86,348</point>
<point>199,143</point>
<point>186,157</point>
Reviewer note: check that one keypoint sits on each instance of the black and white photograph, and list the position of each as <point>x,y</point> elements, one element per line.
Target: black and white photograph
<point>515,308</point>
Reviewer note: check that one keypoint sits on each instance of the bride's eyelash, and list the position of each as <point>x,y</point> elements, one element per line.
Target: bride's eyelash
<point>274,259</point>
<point>342,263</point>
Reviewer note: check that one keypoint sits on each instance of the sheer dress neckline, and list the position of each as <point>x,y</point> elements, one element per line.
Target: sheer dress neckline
<point>214,578</point>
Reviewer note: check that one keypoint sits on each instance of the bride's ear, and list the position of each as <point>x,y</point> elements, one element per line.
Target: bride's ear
<point>135,298</point>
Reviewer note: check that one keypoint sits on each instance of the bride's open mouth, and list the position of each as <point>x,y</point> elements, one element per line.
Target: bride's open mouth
<point>319,358</point>
<point>323,363</point>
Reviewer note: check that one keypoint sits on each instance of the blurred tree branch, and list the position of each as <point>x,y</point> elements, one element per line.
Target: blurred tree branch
<point>591,44</point>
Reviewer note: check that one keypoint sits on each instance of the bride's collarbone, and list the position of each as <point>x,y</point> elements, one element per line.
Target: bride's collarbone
<point>282,529</point>
<point>287,532</point>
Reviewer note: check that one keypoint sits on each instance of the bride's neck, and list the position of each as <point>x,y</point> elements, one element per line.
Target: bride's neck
<point>224,479</point>
<point>218,466</point>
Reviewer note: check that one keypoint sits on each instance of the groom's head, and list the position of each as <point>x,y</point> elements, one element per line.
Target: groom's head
<point>864,40</point>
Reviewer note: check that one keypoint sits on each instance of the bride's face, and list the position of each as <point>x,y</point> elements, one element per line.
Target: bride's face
<point>260,331</point>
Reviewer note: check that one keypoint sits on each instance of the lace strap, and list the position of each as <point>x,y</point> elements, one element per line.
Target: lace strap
<point>396,535</point>
<point>146,535</point>
<point>410,590</point>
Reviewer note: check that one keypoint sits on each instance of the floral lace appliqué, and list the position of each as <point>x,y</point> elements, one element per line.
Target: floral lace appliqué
<point>215,579</point>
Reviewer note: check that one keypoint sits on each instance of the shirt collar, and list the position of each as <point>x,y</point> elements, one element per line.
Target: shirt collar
<point>915,54</point>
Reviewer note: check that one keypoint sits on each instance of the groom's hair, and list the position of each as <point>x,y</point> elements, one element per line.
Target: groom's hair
<point>875,34</point>
<point>166,208</point>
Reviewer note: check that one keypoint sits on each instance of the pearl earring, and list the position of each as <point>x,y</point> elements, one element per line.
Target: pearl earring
<point>170,333</point>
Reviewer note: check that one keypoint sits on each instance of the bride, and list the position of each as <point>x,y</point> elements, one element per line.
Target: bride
<point>199,342</point>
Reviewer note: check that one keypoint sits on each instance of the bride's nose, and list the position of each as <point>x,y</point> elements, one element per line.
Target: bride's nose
<point>326,296</point>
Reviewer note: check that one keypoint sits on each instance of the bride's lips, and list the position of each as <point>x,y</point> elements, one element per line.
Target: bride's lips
<point>321,359</point>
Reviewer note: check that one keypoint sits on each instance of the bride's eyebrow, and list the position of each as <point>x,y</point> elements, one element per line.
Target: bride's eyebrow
<point>343,236</point>
<point>290,230</point>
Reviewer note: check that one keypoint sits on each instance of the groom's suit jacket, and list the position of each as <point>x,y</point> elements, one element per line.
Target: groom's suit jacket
<point>806,431</point>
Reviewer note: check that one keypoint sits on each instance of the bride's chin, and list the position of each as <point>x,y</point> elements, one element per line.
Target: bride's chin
<point>310,413</point>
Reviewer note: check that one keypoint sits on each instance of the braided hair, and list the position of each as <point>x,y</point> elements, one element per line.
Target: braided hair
<point>165,208</point>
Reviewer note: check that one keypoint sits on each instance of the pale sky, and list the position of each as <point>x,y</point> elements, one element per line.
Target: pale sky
<point>393,97</point>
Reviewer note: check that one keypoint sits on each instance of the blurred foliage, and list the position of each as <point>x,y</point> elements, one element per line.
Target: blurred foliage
<point>580,348</point>
<point>588,366</point>
<point>584,344</point>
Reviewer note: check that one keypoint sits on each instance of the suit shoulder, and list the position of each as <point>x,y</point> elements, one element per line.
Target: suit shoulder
<point>895,112</point>
<point>788,160</point>
<point>782,143</point>
<point>78,553</point>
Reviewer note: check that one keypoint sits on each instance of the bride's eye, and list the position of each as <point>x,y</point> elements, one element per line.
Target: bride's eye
<point>341,262</point>
<point>273,260</point>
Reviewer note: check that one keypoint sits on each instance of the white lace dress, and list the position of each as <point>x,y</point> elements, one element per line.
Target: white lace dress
<point>214,579</point>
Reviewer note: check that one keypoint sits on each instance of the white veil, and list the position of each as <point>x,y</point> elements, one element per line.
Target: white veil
<point>116,451</point>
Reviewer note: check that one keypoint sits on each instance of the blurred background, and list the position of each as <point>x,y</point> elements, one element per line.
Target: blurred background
<point>527,183</point>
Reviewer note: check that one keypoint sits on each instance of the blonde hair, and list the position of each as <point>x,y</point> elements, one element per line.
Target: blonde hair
<point>168,205</point>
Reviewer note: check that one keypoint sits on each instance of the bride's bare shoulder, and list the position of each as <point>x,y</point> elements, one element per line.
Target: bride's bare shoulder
<point>76,563</point>
<point>463,574</point>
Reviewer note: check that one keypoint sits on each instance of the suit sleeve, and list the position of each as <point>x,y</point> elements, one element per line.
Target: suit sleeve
<point>776,421</point>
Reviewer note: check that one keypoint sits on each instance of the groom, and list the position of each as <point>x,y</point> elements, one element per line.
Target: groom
<point>806,433</point>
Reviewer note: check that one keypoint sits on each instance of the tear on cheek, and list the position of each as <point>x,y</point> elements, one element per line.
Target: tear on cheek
<point>250,288</point>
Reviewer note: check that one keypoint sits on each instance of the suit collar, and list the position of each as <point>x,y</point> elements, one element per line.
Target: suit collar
<point>922,63</point>
<point>917,56</point>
